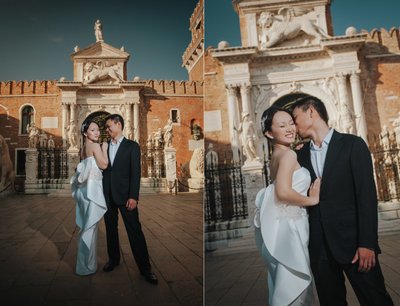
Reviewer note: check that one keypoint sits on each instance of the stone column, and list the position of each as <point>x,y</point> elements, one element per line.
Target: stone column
<point>245,94</point>
<point>136,121</point>
<point>73,161</point>
<point>64,122</point>
<point>233,121</point>
<point>253,176</point>
<point>170,166</point>
<point>31,170</point>
<point>73,113</point>
<point>346,121</point>
<point>361,123</point>
<point>128,117</point>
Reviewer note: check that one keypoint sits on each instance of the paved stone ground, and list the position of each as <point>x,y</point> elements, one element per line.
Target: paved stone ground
<point>236,274</point>
<point>38,239</point>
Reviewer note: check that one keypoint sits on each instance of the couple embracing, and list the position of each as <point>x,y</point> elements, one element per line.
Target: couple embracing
<point>107,180</point>
<point>317,220</point>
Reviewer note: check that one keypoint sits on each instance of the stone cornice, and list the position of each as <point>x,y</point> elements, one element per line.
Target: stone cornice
<point>338,43</point>
<point>254,6</point>
<point>100,50</point>
<point>234,55</point>
<point>253,54</point>
<point>69,85</point>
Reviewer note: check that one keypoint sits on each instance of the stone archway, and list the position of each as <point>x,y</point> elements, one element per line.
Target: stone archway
<point>286,101</point>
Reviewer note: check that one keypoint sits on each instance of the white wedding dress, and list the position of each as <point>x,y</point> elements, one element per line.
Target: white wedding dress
<point>87,190</point>
<point>282,233</point>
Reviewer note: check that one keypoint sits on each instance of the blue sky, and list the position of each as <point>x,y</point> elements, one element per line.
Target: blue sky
<point>38,36</point>
<point>362,14</point>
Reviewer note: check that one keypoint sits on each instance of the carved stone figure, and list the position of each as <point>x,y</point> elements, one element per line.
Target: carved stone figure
<point>98,31</point>
<point>50,143</point>
<point>248,138</point>
<point>158,138</point>
<point>72,136</point>
<point>98,72</point>
<point>196,131</point>
<point>287,24</point>
<point>196,164</point>
<point>33,135</point>
<point>7,173</point>
<point>346,119</point>
<point>42,140</point>
<point>168,134</point>
<point>211,157</point>
<point>385,138</point>
<point>396,124</point>
<point>149,143</point>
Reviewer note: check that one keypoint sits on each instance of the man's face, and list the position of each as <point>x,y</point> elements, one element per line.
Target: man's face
<point>113,129</point>
<point>303,121</point>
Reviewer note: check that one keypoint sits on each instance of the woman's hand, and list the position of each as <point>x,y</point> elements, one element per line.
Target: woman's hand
<point>104,146</point>
<point>314,191</point>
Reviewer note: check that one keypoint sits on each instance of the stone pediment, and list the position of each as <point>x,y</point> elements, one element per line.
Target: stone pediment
<point>100,63</point>
<point>100,50</point>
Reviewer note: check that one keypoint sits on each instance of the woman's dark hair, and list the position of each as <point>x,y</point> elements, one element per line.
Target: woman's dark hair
<point>305,103</point>
<point>116,118</point>
<point>85,125</point>
<point>268,116</point>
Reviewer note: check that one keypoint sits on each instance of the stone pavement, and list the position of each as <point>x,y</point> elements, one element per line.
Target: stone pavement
<point>38,239</point>
<point>236,274</point>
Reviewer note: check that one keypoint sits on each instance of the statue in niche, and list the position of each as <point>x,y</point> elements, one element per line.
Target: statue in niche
<point>248,137</point>
<point>99,71</point>
<point>7,173</point>
<point>98,31</point>
<point>168,134</point>
<point>72,136</point>
<point>50,143</point>
<point>329,86</point>
<point>33,135</point>
<point>42,140</point>
<point>196,131</point>
<point>287,24</point>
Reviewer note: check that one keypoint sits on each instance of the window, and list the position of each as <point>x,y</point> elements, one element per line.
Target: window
<point>26,118</point>
<point>175,116</point>
<point>20,161</point>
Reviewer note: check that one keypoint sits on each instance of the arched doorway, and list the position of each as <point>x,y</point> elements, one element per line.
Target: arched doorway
<point>288,100</point>
<point>99,118</point>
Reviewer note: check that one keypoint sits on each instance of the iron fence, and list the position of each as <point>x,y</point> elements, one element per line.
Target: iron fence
<point>225,196</point>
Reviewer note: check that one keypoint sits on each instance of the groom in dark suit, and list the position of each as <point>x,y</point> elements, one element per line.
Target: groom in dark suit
<point>344,226</point>
<point>121,183</point>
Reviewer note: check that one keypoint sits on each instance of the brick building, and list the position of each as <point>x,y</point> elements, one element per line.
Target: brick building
<point>101,86</point>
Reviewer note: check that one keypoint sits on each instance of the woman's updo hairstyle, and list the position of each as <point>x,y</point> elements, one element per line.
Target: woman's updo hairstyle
<point>268,116</point>
<point>85,125</point>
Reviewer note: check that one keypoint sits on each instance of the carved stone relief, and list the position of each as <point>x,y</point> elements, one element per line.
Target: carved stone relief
<point>287,24</point>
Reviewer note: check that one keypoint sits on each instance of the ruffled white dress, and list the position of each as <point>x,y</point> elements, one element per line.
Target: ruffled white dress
<point>87,190</point>
<point>282,233</point>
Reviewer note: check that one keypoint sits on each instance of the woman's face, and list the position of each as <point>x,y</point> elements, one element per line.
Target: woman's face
<point>93,132</point>
<point>283,129</point>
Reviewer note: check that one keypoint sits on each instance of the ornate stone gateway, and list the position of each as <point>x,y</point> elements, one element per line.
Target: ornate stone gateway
<point>287,51</point>
<point>100,87</point>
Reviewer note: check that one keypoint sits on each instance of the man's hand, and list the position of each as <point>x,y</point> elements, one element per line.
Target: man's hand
<point>366,259</point>
<point>131,204</point>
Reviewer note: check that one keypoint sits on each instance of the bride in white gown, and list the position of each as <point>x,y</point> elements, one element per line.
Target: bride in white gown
<point>281,220</point>
<point>87,190</point>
